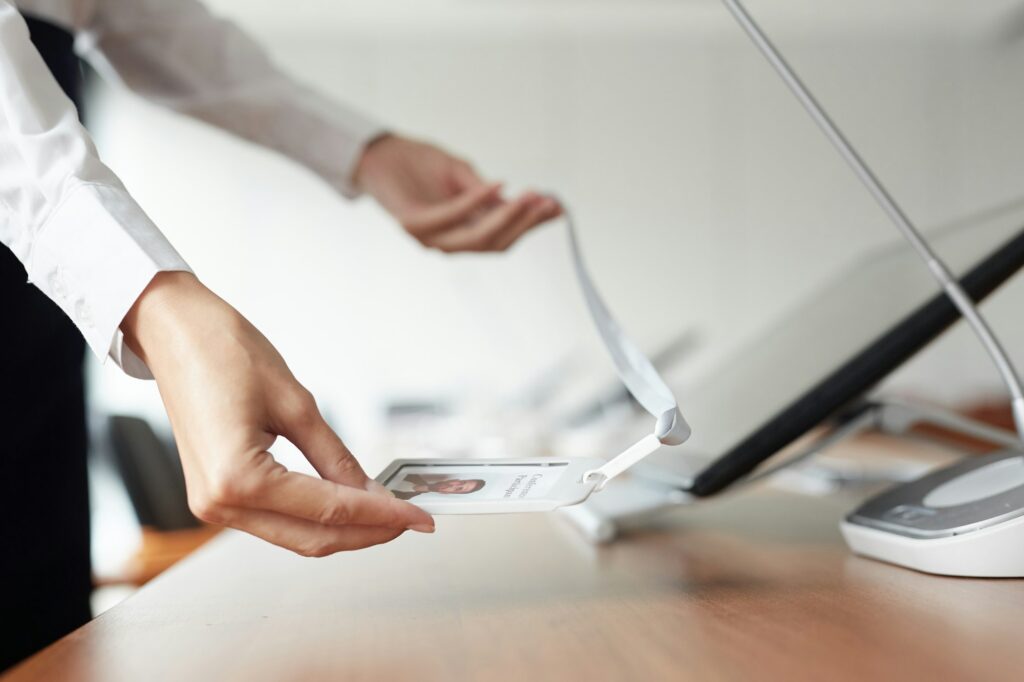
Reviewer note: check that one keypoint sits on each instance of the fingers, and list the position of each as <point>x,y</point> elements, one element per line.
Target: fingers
<point>437,217</point>
<point>541,211</point>
<point>345,495</point>
<point>480,236</point>
<point>330,504</point>
<point>498,228</point>
<point>306,537</point>
<point>267,485</point>
<point>299,420</point>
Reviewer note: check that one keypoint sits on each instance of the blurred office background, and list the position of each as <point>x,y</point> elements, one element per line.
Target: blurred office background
<point>707,202</point>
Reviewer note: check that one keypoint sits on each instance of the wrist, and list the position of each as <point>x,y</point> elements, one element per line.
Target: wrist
<point>155,318</point>
<point>369,159</point>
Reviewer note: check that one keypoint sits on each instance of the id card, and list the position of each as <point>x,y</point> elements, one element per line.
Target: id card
<point>490,486</point>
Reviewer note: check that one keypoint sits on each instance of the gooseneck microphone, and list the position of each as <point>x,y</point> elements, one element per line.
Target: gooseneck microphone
<point>935,265</point>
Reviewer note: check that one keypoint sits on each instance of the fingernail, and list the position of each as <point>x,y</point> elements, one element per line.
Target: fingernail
<point>422,527</point>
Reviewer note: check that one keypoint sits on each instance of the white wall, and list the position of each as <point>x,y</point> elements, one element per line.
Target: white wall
<point>694,175</point>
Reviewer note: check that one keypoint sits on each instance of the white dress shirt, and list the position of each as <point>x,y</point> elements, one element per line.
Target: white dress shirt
<point>82,238</point>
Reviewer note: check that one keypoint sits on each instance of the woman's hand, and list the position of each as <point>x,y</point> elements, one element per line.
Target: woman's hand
<point>229,395</point>
<point>442,202</point>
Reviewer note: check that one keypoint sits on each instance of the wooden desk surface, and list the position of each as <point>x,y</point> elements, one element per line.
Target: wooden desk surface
<point>754,586</point>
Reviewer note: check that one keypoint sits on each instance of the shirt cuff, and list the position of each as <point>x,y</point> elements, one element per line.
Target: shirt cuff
<point>336,154</point>
<point>94,256</point>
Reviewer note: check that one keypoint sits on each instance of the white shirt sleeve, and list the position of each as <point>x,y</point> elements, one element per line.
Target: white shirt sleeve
<point>177,54</point>
<point>82,238</point>
<point>84,241</point>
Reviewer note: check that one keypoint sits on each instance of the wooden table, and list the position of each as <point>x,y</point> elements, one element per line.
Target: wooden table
<point>755,586</point>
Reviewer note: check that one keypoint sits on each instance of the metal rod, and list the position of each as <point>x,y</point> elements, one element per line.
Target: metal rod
<point>939,270</point>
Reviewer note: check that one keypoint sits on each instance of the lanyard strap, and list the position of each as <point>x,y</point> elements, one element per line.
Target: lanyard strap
<point>635,371</point>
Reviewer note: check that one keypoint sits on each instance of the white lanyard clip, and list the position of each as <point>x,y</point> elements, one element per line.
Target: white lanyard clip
<point>636,372</point>
<point>671,429</point>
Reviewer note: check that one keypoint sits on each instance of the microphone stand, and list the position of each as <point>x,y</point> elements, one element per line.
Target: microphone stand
<point>966,519</point>
<point>896,215</point>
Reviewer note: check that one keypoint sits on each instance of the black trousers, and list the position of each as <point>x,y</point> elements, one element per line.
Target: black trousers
<point>45,578</point>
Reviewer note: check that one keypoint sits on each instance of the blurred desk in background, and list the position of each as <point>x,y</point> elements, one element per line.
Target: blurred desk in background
<point>751,586</point>
<point>158,551</point>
